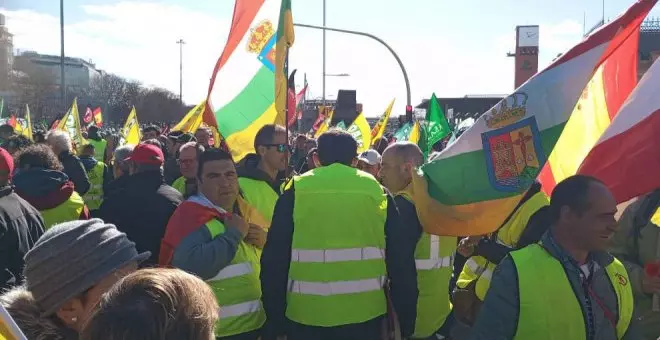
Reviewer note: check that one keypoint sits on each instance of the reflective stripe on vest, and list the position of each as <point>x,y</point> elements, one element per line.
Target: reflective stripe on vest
<point>479,270</point>
<point>230,311</point>
<point>237,289</point>
<point>434,261</point>
<point>336,287</point>
<point>337,255</point>
<point>337,269</point>
<point>233,270</point>
<point>557,311</point>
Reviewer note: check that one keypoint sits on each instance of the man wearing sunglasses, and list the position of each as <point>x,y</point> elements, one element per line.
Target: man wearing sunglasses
<point>260,174</point>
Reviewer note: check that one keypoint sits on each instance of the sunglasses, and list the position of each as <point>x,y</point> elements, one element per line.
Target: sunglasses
<point>280,147</point>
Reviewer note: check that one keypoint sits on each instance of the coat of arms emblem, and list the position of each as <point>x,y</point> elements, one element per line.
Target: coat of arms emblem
<point>513,151</point>
<point>262,42</point>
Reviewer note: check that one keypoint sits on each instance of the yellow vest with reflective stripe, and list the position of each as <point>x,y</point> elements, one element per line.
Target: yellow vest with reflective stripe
<point>337,269</point>
<point>480,269</point>
<point>69,210</point>
<point>99,149</point>
<point>260,195</point>
<point>548,306</point>
<point>94,196</point>
<point>237,289</point>
<point>434,260</point>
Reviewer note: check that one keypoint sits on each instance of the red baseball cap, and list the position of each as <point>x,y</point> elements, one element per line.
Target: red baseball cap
<point>6,162</point>
<point>146,154</point>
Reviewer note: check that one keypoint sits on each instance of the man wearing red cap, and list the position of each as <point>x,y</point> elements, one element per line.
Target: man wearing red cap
<point>143,208</point>
<point>20,226</point>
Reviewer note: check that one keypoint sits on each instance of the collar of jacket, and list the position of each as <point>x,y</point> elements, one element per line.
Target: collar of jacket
<point>148,180</point>
<point>116,185</point>
<point>603,259</point>
<point>248,168</point>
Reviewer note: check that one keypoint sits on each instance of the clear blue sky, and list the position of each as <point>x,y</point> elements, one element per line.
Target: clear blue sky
<point>452,48</point>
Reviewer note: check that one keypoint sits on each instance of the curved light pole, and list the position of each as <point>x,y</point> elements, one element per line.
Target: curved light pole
<point>398,60</point>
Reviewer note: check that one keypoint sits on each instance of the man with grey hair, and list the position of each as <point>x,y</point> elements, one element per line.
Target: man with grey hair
<point>60,142</point>
<point>120,172</point>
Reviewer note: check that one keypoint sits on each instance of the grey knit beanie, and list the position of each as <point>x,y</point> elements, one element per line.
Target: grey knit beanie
<point>72,257</point>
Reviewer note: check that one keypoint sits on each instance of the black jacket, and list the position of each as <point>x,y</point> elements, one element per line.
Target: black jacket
<point>400,245</point>
<point>76,172</point>
<point>141,209</point>
<point>171,170</point>
<point>20,227</point>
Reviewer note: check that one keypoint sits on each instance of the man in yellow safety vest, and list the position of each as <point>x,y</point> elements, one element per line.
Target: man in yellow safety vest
<point>434,255</point>
<point>187,159</point>
<point>260,174</point>
<point>334,244</point>
<point>218,236</point>
<point>99,177</point>
<point>566,286</point>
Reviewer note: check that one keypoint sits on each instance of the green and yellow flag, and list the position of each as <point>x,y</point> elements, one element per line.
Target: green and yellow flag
<point>381,125</point>
<point>192,120</point>
<point>70,124</point>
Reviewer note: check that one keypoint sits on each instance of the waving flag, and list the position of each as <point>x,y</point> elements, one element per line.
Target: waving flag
<point>98,117</point>
<point>470,187</point>
<point>8,328</point>
<point>87,118</point>
<point>598,105</point>
<point>70,123</point>
<point>192,120</point>
<point>242,89</point>
<point>325,125</point>
<point>379,129</point>
<point>130,133</point>
<point>27,131</point>
<point>361,132</point>
<point>626,155</point>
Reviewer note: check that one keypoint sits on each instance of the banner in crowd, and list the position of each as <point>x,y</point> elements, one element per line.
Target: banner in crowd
<point>325,125</point>
<point>98,117</point>
<point>130,133</point>
<point>381,125</point>
<point>434,128</point>
<point>70,124</point>
<point>26,130</point>
<point>192,120</point>
<point>472,186</point>
<point>626,155</point>
<point>243,84</point>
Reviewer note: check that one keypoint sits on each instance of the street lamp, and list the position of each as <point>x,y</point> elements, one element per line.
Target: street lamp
<point>181,43</point>
<point>409,108</point>
<point>337,75</point>
<point>62,88</point>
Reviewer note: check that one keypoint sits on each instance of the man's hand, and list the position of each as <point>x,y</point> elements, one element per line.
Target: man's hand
<point>256,236</point>
<point>650,284</point>
<point>466,246</point>
<point>237,222</point>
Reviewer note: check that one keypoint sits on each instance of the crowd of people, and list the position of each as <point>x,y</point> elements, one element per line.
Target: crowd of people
<point>303,239</point>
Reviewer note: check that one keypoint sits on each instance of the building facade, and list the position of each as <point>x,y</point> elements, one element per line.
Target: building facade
<point>78,73</point>
<point>6,54</point>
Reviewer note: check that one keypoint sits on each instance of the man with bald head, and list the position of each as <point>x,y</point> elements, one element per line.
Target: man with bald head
<point>434,255</point>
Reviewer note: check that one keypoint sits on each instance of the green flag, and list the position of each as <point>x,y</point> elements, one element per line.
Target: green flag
<point>435,128</point>
<point>2,106</point>
<point>402,134</point>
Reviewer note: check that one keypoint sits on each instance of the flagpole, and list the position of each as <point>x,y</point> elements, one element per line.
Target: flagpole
<point>286,109</point>
<point>62,84</point>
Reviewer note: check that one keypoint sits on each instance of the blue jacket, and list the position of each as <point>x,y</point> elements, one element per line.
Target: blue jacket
<point>498,317</point>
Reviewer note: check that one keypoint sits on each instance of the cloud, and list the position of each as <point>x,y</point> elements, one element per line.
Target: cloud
<point>136,40</point>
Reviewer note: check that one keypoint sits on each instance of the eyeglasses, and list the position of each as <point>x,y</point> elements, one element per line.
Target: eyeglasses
<point>280,147</point>
<point>186,161</point>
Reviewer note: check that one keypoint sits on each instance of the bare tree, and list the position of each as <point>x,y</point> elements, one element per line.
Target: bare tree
<point>35,86</point>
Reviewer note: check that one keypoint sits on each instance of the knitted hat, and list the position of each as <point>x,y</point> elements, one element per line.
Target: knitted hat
<point>72,257</point>
<point>6,162</point>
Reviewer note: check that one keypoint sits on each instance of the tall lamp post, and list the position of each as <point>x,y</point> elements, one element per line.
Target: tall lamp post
<point>409,109</point>
<point>181,43</point>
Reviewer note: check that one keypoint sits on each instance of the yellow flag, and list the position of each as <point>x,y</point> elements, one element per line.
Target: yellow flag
<point>130,133</point>
<point>8,328</point>
<point>325,125</point>
<point>381,125</point>
<point>361,132</point>
<point>27,132</point>
<point>70,124</point>
<point>192,120</point>
<point>414,134</point>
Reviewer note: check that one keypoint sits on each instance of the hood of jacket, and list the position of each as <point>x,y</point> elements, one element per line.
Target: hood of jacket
<point>44,189</point>
<point>88,162</point>
<point>23,309</point>
<point>248,168</point>
<point>117,185</point>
